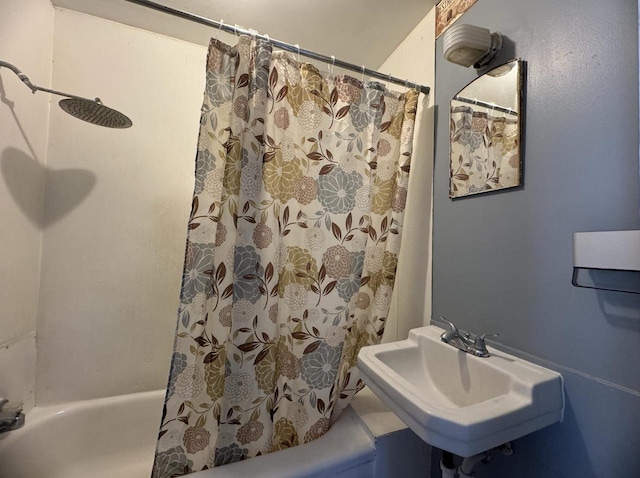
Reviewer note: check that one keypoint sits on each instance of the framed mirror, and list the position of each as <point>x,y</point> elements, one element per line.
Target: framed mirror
<point>486,125</point>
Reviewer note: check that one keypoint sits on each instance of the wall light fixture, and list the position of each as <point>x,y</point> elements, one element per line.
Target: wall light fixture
<point>468,45</point>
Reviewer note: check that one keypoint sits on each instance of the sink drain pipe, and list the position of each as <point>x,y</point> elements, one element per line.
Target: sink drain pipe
<point>447,466</point>
<point>465,470</point>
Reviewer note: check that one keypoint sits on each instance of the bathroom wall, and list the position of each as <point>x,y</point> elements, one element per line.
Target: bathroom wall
<point>26,35</point>
<point>411,303</point>
<point>117,204</point>
<point>503,261</point>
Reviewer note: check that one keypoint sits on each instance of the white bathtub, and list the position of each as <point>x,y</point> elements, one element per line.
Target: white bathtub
<point>115,438</point>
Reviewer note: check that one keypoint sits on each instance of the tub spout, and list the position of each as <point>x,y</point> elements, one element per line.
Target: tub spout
<point>11,417</point>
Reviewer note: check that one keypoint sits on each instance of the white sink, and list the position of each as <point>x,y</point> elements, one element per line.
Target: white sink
<point>456,401</point>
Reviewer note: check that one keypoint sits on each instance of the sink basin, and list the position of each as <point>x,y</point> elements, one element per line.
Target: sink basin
<point>456,401</point>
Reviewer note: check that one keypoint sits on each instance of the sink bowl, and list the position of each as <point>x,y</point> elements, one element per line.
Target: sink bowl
<point>459,402</point>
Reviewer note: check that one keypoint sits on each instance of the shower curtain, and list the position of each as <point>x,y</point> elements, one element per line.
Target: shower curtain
<point>484,142</point>
<point>293,239</point>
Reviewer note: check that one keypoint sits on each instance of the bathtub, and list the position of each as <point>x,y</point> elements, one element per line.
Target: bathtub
<point>115,437</point>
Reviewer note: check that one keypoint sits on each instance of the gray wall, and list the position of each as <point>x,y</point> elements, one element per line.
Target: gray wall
<point>502,261</point>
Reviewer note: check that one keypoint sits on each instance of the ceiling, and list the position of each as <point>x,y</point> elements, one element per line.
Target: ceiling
<point>358,31</point>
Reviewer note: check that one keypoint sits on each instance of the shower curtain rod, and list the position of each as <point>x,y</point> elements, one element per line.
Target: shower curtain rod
<point>280,44</point>
<point>484,104</point>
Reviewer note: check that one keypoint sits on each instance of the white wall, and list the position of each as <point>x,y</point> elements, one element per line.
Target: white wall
<point>26,35</point>
<point>117,204</point>
<point>411,305</point>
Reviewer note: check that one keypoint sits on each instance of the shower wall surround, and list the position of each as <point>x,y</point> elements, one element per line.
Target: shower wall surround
<point>26,35</point>
<point>117,205</point>
<point>503,261</point>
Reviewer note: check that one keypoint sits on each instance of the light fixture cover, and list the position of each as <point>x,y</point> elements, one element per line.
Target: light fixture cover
<point>468,45</point>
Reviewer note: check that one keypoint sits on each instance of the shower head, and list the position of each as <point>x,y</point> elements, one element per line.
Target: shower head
<point>94,112</point>
<point>91,111</point>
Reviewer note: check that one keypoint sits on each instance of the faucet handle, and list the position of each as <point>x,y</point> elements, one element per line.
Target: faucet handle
<point>479,340</point>
<point>479,348</point>
<point>482,337</point>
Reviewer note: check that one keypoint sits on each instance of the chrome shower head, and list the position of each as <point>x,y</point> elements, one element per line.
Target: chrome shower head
<point>91,111</point>
<point>94,112</point>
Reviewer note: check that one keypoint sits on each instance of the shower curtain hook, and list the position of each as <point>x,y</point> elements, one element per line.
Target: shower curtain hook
<point>333,64</point>
<point>298,48</point>
<point>362,76</point>
<point>266,35</point>
<point>235,29</point>
<point>220,27</point>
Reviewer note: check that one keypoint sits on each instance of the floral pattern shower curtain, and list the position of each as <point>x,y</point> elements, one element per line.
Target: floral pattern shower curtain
<point>300,187</point>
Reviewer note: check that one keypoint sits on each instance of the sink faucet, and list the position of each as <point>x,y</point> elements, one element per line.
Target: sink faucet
<point>465,341</point>
<point>11,418</point>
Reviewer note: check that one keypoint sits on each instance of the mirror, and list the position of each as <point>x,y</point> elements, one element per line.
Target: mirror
<point>485,132</point>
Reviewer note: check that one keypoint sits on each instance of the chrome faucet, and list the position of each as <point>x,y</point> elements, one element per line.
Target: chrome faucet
<point>11,418</point>
<point>465,341</point>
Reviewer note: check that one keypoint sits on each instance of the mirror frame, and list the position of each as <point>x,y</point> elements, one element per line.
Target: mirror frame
<point>520,105</point>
